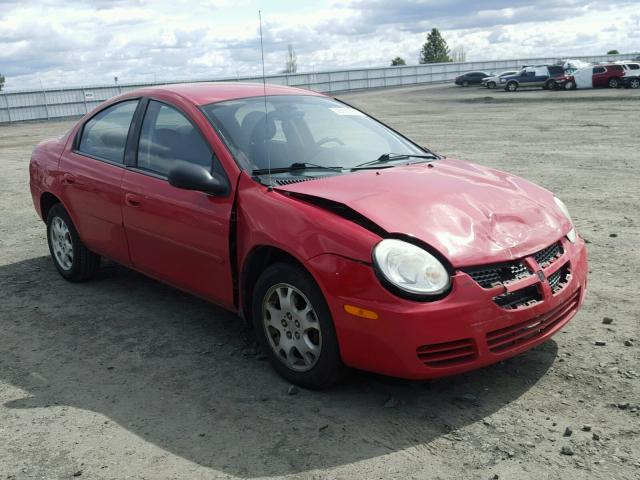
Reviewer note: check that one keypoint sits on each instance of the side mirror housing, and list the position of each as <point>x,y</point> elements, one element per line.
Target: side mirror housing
<point>188,176</point>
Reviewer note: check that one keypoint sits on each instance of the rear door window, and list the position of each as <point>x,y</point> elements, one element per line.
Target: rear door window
<point>105,135</point>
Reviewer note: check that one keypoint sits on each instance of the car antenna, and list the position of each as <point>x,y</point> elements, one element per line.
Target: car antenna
<point>264,95</point>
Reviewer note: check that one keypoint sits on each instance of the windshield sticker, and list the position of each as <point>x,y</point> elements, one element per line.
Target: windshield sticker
<point>347,111</point>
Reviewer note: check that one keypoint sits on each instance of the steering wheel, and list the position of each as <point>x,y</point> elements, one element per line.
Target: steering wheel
<point>324,140</point>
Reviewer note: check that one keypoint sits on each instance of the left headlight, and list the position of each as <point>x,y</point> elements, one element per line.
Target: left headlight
<point>410,268</point>
<point>571,235</point>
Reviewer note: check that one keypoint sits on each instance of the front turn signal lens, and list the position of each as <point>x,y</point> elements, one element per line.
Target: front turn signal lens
<point>361,312</point>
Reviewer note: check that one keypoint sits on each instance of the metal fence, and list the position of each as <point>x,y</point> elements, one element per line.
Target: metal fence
<point>53,103</point>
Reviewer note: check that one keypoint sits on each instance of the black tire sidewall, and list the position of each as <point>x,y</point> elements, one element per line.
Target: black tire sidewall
<point>329,367</point>
<point>85,263</point>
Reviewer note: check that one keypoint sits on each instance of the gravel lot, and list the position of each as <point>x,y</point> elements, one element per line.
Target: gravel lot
<point>124,377</point>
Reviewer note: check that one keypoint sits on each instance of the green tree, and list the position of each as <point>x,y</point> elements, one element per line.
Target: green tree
<point>398,61</point>
<point>1,82</point>
<point>613,52</point>
<point>435,49</point>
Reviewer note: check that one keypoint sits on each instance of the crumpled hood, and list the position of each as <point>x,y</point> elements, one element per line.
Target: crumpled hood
<point>471,214</point>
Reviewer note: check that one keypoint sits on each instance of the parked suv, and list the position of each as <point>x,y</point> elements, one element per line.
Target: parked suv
<point>593,77</point>
<point>608,75</point>
<point>631,78</point>
<point>471,78</point>
<point>533,76</point>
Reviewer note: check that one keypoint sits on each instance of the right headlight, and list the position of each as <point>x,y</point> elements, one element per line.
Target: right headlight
<point>410,268</point>
<point>571,235</point>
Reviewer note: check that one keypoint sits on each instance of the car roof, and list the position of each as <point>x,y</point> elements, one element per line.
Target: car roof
<point>211,92</point>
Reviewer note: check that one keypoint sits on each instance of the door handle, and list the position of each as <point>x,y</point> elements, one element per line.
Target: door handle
<point>132,200</point>
<point>68,179</point>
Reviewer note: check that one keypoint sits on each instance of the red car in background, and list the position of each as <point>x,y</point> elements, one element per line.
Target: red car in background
<point>344,243</point>
<point>596,76</point>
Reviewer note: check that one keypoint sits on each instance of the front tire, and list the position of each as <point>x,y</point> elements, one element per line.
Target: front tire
<point>491,85</point>
<point>294,327</point>
<point>511,87</point>
<point>72,259</point>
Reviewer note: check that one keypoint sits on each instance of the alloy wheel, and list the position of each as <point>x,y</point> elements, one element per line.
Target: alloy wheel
<point>292,327</point>
<point>61,243</point>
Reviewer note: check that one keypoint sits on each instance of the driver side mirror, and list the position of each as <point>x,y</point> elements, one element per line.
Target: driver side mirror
<point>188,176</point>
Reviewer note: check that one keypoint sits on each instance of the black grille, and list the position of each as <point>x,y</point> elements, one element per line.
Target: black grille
<point>559,279</point>
<point>498,274</point>
<point>549,255</point>
<point>520,298</point>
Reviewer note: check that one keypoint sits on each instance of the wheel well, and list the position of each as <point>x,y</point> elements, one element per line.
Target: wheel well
<point>258,260</point>
<point>47,200</point>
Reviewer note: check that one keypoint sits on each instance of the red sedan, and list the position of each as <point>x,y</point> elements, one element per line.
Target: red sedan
<point>343,242</point>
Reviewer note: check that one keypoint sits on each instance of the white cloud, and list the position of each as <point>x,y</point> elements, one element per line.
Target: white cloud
<point>79,42</point>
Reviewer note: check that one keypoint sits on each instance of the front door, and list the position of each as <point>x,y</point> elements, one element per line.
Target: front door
<point>178,236</point>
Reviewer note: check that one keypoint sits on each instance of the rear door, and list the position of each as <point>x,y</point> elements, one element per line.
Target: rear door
<point>93,169</point>
<point>600,77</point>
<point>178,236</point>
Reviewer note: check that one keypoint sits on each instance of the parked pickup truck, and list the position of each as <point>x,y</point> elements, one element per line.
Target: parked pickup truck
<point>533,76</point>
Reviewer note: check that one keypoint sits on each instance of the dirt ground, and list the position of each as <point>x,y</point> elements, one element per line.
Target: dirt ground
<point>123,377</point>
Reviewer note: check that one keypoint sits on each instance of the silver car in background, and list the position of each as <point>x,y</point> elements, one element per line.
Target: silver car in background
<point>494,81</point>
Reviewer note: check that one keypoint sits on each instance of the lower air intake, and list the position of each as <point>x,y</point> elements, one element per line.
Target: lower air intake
<point>447,354</point>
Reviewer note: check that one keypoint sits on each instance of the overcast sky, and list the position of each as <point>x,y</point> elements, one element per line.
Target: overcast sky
<point>89,42</point>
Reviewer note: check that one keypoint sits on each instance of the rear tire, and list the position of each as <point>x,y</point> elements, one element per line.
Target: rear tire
<point>549,84</point>
<point>614,83</point>
<point>634,83</point>
<point>511,87</point>
<point>72,259</point>
<point>294,327</point>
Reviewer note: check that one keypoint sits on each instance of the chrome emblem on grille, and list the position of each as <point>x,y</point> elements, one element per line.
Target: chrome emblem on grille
<point>540,274</point>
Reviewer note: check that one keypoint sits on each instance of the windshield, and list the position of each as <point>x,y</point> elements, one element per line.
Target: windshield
<point>302,129</point>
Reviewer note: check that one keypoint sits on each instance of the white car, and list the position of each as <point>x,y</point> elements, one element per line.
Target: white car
<point>631,78</point>
<point>493,81</point>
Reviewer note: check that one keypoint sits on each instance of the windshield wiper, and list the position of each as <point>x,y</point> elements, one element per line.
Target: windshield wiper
<point>294,167</point>
<point>391,157</point>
